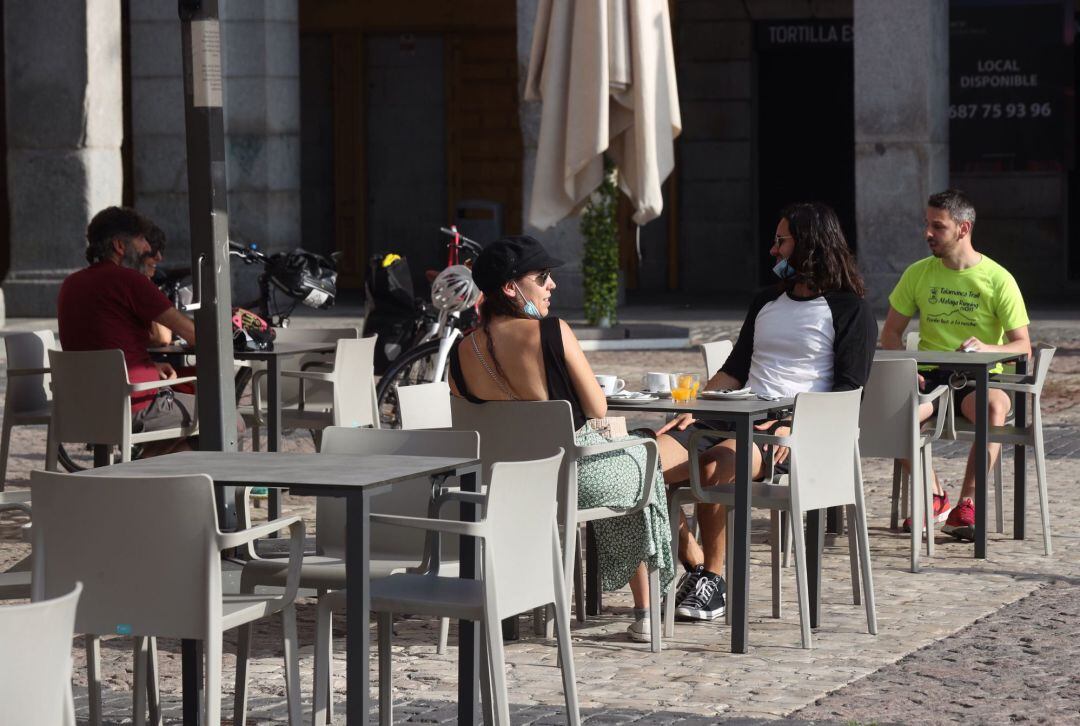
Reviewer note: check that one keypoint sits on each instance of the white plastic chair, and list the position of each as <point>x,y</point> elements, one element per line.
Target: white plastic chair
<point>890,429</point>
<point>392,550</point>
<point>317,396</point>
<point>35,670</point>
<point>825,472</point>
<point>911,340</point>
<point>28,398</point>
<point>149,574</point>
<point>521,570</point>
<point>1013,435</point>
<point>424,406</point>
<point>716,354</point>
<point>92,403</point>
<point>523,430</point>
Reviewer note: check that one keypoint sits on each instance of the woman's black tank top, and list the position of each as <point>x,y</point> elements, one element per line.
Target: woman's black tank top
<point>557,377</point>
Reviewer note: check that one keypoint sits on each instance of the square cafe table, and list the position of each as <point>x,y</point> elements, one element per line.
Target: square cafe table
<point>357,478</point>
<point>743,413</point>
<point>976,366</point>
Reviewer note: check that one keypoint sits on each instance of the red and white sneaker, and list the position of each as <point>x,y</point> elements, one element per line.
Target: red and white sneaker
<point>942,507</point>
<point>961,521</point>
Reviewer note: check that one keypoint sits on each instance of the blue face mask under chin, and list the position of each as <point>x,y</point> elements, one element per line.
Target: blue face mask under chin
<point>783,269</point>
<point>529,308</point>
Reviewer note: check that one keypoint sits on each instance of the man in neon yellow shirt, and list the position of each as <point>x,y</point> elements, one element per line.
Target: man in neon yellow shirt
<point>965,301</point>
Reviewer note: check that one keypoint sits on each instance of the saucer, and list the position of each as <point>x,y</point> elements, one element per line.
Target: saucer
<point>658,394</point>
<point>632,397</point>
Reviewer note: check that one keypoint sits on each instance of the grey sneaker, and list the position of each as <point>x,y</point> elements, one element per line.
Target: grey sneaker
<point>640,631</point>
<point>706,602</point>
<point>687,583</point>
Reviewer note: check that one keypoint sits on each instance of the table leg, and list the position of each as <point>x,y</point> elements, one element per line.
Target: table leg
<point>1020,461</point>
<point>468,632</point>
<point>739,587</point>
<point>833,520</point>
<point>358,607</point>
<point>982,422</point>
<point>273,427</point>
<point>594,599</point>
<point>102,455</point>
<point>191,663</point>
<point>815,543</point>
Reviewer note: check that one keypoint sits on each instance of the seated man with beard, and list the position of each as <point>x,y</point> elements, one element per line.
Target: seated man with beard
<point>112,304</point>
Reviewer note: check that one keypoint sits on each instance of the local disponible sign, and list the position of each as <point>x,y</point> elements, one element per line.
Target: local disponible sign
<point>1008,70</point>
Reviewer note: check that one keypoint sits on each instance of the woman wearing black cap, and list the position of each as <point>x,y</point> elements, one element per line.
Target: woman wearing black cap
<point>518,353</point>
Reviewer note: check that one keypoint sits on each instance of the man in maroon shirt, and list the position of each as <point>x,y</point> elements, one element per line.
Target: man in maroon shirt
<point>111,304</point>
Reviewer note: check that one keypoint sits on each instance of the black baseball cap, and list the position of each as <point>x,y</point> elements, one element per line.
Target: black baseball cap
<point>508,259</point>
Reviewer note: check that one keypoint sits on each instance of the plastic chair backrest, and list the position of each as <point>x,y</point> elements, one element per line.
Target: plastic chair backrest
<point>26,394</point>
<point>425,406</point>
<point>911,340</point>
<point>523,431</point>
<point>90,397</point>
<point>406,498</point>
<point>35,670</point>
<point>888,424</point>
<point>317,395</point>
<point>716,354</point>
<point>354,375</point>
<point>521,513</point>
<point>145,549</point>
<point>825,433</point>
<point>1043,355</point>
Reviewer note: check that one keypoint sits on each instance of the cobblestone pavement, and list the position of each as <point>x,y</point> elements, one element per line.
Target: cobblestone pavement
<point>696,680</point>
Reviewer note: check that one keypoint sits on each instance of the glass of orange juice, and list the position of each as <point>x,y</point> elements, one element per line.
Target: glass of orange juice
<point>696,380</point>
<point>682,387</point>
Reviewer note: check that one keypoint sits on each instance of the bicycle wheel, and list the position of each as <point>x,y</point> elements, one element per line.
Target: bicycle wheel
<point>69,464</point>
<point>412,367</point>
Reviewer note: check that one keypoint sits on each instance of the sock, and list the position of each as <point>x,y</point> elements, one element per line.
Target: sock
<point>641,613</point>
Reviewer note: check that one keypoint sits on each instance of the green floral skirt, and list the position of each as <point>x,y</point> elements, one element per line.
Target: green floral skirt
<point>615,480</point>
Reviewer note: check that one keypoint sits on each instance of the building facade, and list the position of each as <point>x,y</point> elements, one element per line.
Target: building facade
<point>359,127</point>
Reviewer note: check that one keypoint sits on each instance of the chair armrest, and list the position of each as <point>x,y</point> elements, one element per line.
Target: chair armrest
<point>1012,378</point>
<point>324,364</point>
<point>468,529</point>
<point>652,457</point>
<point>164,383</point>
<point>1017,387</point>
<point>12,372</point>
<point>235,539</point>
<point>15,507</point>
<point>309,376</point>
<point>771,440</point>
<point>932,395</point>
<point>458,496</point>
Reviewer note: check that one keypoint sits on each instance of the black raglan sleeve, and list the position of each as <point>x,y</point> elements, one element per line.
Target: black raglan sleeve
<point>738,363</point>
<point>856,337</point>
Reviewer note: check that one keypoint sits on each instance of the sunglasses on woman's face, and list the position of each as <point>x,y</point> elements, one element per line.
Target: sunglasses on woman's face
<point>541,278</point>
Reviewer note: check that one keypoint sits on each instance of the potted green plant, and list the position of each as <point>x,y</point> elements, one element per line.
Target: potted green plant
<point>600,263</point>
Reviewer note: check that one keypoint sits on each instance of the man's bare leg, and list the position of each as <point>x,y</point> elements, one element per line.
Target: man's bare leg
<point>999,405</point>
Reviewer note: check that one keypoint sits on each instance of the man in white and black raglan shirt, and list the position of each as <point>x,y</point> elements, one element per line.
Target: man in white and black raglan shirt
<point>811,332</point>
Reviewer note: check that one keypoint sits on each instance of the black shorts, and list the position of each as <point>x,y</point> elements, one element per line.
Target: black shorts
<point>706,443</point>
<point>944,377</point>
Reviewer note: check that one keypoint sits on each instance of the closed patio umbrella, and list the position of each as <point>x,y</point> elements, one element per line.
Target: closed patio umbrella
<point>605,71</point>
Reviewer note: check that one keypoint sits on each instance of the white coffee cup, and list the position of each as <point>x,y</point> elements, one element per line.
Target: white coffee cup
<point>656,382</point>
<point>611,384</point>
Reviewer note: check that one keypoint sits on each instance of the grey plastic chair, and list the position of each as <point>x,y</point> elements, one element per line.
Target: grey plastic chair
<point>716,354</point>
<point>523,430</point>
<point>35,670</point>
<point>825,472</point>
<point>1013,435</point>
<point>424,406</point>
<point>317,396</point>
<point>521,571</point>
<point>28,398</point>
<point>890,429</point>
<point>392,550</point>
<point>92,403</point>
<point>153,576</point>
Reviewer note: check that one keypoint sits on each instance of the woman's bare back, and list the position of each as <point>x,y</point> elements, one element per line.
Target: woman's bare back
<point>517,349</point>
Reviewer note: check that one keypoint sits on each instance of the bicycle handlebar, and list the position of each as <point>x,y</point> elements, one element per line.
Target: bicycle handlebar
<point>469,244</point>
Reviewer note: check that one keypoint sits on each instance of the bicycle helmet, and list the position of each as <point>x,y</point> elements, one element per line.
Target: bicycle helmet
<point>453,290</point>
<point>304,276</point>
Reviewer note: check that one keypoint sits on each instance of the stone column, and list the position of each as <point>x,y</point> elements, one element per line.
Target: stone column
<point>901,131</point>
<point>64,130</point>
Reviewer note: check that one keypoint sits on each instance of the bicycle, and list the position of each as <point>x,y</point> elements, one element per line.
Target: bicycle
<point>454,297</point>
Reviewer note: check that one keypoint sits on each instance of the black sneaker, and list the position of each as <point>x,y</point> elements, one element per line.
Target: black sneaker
<point>688,582</point>
<point>706,601</point>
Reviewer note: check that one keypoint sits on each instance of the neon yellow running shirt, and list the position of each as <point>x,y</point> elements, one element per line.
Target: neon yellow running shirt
<point>953,305</point>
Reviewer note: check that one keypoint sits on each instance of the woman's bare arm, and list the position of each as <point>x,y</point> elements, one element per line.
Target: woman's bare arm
<point>588,390</point>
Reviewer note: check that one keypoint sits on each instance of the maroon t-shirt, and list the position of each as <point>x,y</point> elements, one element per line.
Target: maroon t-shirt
<point>106,306</point>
